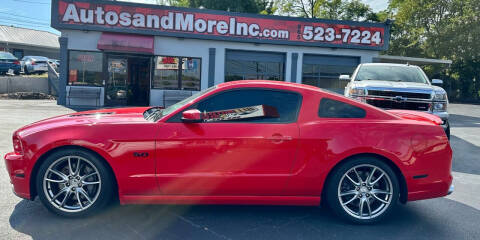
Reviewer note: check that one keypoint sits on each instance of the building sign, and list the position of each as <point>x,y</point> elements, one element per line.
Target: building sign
<point>73,75</point>
<point>117,65</point>
<point>167,63</point>
<point>171,63</point>
<point>218,25</point>
<point>85,58</point>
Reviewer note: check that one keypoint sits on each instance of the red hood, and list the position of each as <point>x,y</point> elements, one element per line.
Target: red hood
<point>102,116</point>
<point>416,115</point>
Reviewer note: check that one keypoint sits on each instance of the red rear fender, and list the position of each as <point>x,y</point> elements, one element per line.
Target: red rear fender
<point>417,116</point>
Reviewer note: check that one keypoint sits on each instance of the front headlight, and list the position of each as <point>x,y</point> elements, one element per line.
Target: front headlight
<point>440,96</point>
<point>358,92</point>
<point>440,106</point>
<point>440,101</point>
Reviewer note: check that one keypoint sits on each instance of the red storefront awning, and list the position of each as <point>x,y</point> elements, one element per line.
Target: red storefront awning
<point>126,43</point>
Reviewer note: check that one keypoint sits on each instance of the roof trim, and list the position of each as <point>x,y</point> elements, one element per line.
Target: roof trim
<point>29,45</point>
<point>20,36</point>
<point>412,60</point>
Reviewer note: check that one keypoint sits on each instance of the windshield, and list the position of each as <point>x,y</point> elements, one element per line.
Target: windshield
<point>156,113</point>
<point>39,58</point>
<point>390,73</point>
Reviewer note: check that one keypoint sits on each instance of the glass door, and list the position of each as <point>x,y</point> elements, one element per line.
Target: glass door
<point>116,87</point>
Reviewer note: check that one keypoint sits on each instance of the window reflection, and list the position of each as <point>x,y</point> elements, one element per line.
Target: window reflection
<point>247,65</point>
<point>85,68</point>
<point>177,73</point>
<point>324,71</point>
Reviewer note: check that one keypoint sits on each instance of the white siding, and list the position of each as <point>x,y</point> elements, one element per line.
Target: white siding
<point>172,46</point>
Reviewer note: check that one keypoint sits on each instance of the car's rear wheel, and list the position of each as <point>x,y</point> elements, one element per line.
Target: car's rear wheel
<point>74,183</point>
<point>363,190</point>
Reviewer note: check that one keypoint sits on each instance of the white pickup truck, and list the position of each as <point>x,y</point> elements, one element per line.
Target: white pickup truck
<point>398,86</point>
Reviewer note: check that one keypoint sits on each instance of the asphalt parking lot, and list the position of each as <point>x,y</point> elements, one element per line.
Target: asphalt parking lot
<point>454,217</point>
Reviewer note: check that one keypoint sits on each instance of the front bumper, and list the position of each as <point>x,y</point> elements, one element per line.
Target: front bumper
<point>445,125</point>
<point>443,115</point>
<point>15,165</point>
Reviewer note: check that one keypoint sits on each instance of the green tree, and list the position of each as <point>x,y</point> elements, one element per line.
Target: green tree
<point>357,11</point>
<point>329,9</point>
<point>245,6</point>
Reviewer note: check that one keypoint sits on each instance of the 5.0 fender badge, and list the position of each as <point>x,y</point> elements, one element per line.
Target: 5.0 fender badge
<point>140,154</point>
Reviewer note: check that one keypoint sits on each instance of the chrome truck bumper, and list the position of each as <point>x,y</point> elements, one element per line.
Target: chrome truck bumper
<point>450,189</point>
<point>443,115</point>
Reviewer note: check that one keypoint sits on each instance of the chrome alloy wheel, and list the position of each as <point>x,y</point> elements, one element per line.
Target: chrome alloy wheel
<point>72,184</point>
<point>365,191</point>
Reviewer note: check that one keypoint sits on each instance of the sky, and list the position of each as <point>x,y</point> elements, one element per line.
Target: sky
<point>35,14</point>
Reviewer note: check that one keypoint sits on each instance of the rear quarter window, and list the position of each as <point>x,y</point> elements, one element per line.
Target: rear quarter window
<point>330,108</point>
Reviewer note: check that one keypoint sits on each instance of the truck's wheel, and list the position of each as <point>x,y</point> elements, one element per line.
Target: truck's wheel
<point>363,190</point>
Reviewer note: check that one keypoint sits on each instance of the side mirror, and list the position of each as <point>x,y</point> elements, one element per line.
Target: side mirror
<point>192,116</point>
<point>344,77</point>
<point>437,82</point>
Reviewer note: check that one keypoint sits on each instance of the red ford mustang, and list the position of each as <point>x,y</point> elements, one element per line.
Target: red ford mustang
<point>245,142</point>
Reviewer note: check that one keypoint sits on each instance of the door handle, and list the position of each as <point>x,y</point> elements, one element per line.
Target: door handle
<point>279,138</point>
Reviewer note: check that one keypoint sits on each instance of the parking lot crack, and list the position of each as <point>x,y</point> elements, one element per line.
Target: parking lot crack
<point>198,226</point>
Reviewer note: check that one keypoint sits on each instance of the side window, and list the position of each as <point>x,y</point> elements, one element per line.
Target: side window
<point>330,108</point>
<point>286,103</point>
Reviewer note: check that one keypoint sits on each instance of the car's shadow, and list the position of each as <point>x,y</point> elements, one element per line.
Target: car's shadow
<point>431,219</point>
<point>464,121</point>
<point>465,156</point>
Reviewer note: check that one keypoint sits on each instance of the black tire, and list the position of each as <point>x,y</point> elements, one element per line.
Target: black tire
<point>106,185</point>
<point>333,189</point>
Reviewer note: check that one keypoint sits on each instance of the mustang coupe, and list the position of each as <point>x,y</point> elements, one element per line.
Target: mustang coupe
<point>244,142</point>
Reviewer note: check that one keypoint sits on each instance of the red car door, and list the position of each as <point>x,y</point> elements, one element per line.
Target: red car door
<point>245,157</point>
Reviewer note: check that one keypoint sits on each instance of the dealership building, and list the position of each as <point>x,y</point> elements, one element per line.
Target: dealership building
<point>119,53</point>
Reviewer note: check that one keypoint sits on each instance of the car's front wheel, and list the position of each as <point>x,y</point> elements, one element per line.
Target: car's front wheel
<point>74,183</point>
<point>363,190</point>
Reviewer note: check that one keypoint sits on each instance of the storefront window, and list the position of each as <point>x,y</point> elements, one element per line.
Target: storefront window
<point>245,65</point>
<point>324,71</point>
<point>177,73</point>
<point>85,69</point>
<point>190,77</point>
